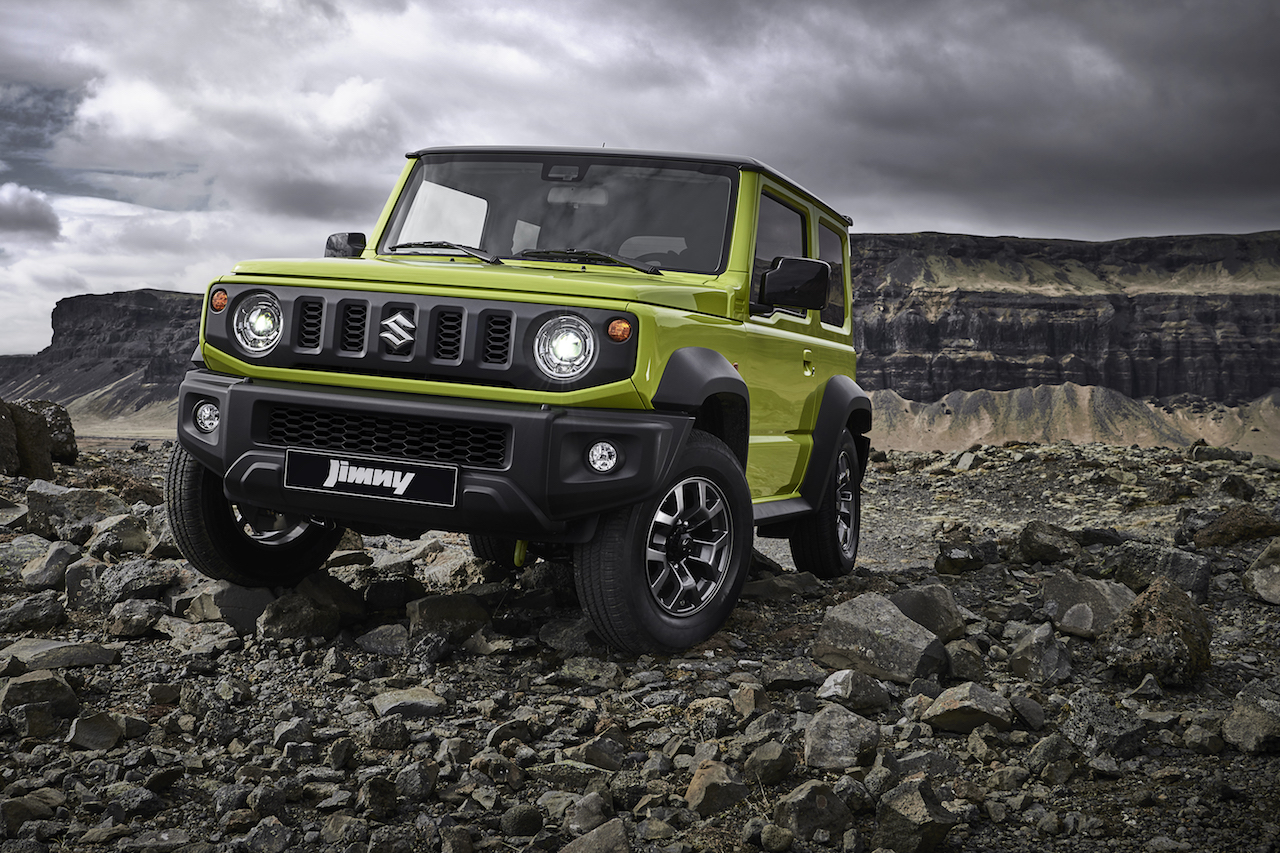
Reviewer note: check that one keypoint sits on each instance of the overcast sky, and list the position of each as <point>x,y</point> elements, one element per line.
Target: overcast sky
<point>153,143</point>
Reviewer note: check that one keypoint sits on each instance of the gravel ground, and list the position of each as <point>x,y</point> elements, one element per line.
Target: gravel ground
<point>212,713</point>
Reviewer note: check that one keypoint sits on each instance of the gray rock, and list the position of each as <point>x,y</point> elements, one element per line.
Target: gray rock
<point>769,763</point>
<point>870,634</point>
<point>855,690</point>
<point>59,654</point>
<point>455,617</point>
<point>1161,633</point>
<point>1254,722</point>
<point>294,615</point>
<point>1096,725</point>
<point>33,442</point>
<point>1040,656</point>
<point>118,535</point>
<point>140,578</point>
<point>608,838</point>
<point>934,607</point>
<point>966,706</point>
<point>386,640</point>
<point>1042,542</point>
<point>812,808</point>
<point>1083,607</point>
<point>586,813</point>
<point>49,570</point>
<point>837,738</point>
<point>23,549</point>
<point>95,731</point>
<point>39,686</point>
<point>50,506</point>
<point>269,836</point>
<point>223,601</point>
<point>1262,578</point>
<point>62,434</point>
<point>38,612</point>
<point>792,674</point>
<point>1136,564</point>
<point>911,819</point>
<point>133,618</point>
<point>412,702</point>
<point>965,661</point>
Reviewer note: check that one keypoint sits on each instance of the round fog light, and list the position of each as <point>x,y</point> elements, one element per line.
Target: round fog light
<point>206,417</point>
<point>602,457</point>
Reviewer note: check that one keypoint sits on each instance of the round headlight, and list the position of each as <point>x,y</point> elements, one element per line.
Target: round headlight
<point>258,323</point>
<point>564,347</point>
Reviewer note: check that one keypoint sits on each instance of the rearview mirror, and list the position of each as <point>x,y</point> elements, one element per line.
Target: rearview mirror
<point>596,196</point>
<point>796,283</point>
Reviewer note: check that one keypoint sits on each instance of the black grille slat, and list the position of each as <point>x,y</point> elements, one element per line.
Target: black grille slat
<point>448,335</point>
<point>310,323</point>
<point>476,445</point>
<point>355,322</point>
<point>497,339</point>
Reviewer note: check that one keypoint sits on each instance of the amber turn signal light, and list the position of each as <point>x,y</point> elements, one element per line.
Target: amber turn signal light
<point>619,330</point>
<point>218,301</point>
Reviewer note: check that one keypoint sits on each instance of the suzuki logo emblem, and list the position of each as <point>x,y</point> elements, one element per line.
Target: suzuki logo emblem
<point>398,332</point>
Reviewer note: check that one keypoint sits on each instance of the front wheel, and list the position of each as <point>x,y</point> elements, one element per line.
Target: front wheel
<point>665,574</point>
<point>248,546</point>
<point>826,542</point>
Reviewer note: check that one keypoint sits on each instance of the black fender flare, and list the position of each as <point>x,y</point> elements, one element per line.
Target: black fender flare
<point>844,404</point>
<point>693,376</point>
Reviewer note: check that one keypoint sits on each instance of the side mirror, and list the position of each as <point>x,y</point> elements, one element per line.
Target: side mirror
<point>796,283</point>
<point>345,244</point>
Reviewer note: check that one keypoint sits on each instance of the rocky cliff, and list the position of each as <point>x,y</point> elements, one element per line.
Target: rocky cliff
<point>115,357</point>
<point>1152,317</point>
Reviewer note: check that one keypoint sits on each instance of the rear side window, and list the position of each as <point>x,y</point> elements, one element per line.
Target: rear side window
<point>780,233</point>
<point>831,250</point>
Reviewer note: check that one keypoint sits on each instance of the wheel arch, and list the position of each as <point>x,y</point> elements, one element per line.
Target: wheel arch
<point>701,382</point>
<point>844,406</point>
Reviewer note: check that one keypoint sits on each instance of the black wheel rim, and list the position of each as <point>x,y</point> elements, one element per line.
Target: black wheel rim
<point>846,507</point>
<point>689,547</point>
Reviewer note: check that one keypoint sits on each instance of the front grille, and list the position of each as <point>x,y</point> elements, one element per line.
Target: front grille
<point>448,335</point>
<point>355,318</point>
<point>476,445</point>
<point>497,339</point>
<point>310,323</point>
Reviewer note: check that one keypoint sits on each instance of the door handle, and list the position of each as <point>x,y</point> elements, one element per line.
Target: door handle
<point>808,362</point>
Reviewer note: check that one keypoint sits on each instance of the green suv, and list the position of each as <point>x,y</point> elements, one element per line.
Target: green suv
<point>627,359</point>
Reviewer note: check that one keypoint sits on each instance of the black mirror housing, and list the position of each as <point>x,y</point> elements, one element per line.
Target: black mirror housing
<point>796,283</point>
<point>344,244</point>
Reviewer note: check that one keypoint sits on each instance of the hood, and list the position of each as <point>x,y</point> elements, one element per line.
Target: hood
<point>683,291</point>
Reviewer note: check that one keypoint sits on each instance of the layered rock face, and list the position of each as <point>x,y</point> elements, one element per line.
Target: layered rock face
<point>1152,317</point>
<point>125,350</point>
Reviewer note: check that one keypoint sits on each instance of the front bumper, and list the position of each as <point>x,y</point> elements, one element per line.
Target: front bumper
<point>516,470</point>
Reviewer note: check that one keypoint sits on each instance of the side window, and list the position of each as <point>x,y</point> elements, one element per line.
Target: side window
<point>779,233</point>
<point>831,250</point>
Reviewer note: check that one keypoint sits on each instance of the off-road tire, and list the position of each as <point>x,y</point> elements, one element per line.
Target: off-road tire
<point>499,550</point>
<point>701,523</point>
<point>826,542</point>
<point>219,542</point>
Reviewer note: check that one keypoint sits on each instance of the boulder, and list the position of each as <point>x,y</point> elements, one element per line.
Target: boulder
<point>715,787</point>
<point>33,443</point>
<point>811,807</point>
<point>1096,725</point>
<point>62,434</point>
<point>1083,607</point>
<point>967,706</point>
<point>1040,656</point>
<point>8,443</point>
<point>1136,564</point>
<point>934,607</point>
<point>1162,632</point>
<point>837,738</point>
<point>1254,722</point>
<point>1262,578</point>
<point>870,634</point>
<point>50,506</point>
<point>1042,542</point>
<point>911,819</point>
<point>1238,524</point>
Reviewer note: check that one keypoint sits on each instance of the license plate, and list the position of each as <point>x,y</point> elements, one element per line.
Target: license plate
<point>371,477</point>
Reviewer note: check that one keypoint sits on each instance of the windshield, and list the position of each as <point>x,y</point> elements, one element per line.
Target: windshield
<point>665,214</point>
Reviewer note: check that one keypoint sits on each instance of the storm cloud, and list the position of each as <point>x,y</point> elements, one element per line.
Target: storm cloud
<point>258,127</point>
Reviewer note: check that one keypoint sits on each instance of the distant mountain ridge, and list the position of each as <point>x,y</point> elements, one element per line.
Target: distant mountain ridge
<point>933,315</point>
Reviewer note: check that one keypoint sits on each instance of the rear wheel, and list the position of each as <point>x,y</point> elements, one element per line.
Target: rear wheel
<point>246,545</point>
<point>665,574</point>
<point>826,542</point>
<point>499,550</point>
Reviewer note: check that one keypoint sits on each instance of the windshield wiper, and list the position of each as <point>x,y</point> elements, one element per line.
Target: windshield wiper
<point>588,255</point>
<point>455,247</point>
